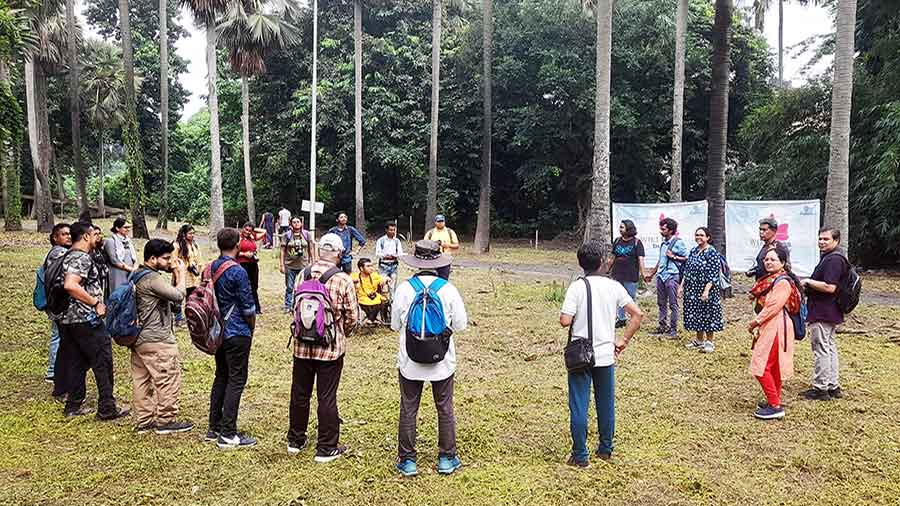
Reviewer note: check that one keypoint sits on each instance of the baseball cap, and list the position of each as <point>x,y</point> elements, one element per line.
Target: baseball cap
<point>439,217</point>
<point>331,242</point>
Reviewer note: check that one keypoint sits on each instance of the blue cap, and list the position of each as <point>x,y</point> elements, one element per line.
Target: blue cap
<point>439,217</point>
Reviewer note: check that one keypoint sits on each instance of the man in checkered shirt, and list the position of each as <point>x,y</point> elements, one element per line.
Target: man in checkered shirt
<point>323,364</point>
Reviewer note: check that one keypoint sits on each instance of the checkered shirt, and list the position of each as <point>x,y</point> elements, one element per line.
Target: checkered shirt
<point>345,305</point>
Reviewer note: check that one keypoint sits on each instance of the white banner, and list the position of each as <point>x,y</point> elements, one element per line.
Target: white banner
<point>798,227</point>
<point>646,217</point>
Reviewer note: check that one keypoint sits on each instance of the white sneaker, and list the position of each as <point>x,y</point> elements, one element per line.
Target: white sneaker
<point>707,347</point>
<point>693,344</point>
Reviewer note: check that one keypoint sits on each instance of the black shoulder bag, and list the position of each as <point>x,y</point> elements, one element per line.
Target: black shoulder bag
<point>579,353</point>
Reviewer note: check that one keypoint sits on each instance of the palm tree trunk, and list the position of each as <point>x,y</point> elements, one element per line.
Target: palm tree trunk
<point>837,194</point>
<point>598,227</point>
<point>134,159</point>
<point>75,108</point>
<point>216,211</point>
<point>681,15</point>
<point>9,167</point>
<point>101,191</point>
<point>245,126</point>
<point>60,185</point>
<point>483,226</point>
<point>39,140</point>
<point>718,122</point>
<point>163,219</point>
<point>781,44</point>
<point>357,53</point>
<point>431,205</point>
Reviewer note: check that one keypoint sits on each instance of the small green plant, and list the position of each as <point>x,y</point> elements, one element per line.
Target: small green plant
<point>554,292</point>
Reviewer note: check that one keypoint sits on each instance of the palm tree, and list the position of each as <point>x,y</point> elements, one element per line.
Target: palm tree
<point>598,224</point>
<point>436,15</point>
<point>251,29</point>
<point>75,108</point>
<point>483,227</point>
<point>681,19</point>
<point>357,115</point>
<point>134,159</point>
<point>760,7</point>
<point>205,13</point>
<point>718,122</point>
<point>837,194</point>
<point>162,221</point>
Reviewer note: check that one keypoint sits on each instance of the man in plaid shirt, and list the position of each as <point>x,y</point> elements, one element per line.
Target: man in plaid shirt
<point>323,362</point>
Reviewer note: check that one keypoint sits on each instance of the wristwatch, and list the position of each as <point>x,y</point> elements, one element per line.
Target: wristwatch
<point>96,304</point>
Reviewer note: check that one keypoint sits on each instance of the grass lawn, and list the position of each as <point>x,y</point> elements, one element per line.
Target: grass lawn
<point>685,434</point>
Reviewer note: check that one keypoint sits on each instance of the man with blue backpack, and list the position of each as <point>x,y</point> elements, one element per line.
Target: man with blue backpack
<point>325,312</point>
<point>60,242</point>
<point>427,311</point>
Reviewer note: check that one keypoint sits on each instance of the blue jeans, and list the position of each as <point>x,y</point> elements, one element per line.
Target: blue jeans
<point>290,277</point>
<point>54,347</point>
<point>603,379</point>
<point>631,288</point>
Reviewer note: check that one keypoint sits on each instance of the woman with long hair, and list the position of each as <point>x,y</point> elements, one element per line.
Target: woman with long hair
<point>626,263</point>
<point>120,252</point>
<point>772,359</point>
<point>189,253</point>
<point>249,259</point>
<point>701,292</point>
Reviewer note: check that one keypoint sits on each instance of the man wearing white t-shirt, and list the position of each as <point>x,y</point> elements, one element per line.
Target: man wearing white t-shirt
<point>606,297</point>
<point>427,259</point>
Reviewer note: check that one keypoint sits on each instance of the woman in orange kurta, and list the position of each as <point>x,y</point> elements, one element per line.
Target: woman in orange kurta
<point>772,360</point>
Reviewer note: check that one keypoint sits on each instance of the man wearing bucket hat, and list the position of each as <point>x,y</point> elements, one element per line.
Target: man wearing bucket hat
<point>446,239</point>
<point>427,311</point>
<point>323,364</point>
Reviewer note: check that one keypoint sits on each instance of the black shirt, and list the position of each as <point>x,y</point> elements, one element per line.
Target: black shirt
<point>625,264</point>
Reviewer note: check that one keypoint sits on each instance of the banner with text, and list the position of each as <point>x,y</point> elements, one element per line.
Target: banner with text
<point>798,227</point>
<point>646,217</point>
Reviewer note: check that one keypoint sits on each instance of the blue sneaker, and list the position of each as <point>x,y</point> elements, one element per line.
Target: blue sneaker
<point>769,413</point>
<point>407,468</point>
<point>447,465</point>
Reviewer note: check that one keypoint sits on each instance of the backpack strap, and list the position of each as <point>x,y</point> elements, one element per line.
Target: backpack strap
<point>327,275</point>
<point>416,283</point>
<point>590,310</point>
<point>138,275</point>
<point>437,284</point>
<point>227,264</point>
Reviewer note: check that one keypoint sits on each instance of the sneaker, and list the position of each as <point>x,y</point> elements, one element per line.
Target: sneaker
<point>836,393</point>
<point>448,465</point>
<point>326,455</point>
<point>815,394</point>
<point>81,411</point>
<point>295,447</point>
<point>61,398</point>
<point>602,455</point>
<point>769,413</point>
<point>407,468</point>
<point>672,334</point>
<point>48,379</point>
<point>145,428</point>
<point>583,464</point>
<point>211,436</point>
<point>175,428</point>
<point>236,441</point>
<point>659,331</point>
<point>693,344</point>
<point>762,404</point>
<point>114,415</point>
<point>707,347</point>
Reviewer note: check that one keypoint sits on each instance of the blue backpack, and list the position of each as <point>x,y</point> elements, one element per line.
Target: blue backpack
<point>799,319</point>
<point>724,273</point>
<point>39,295</point>
<point>427,333</point>
<point>122,320</point>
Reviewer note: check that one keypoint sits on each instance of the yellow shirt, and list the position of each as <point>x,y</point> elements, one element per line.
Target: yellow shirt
<point>366,286</point>
<point>191,280</point>
<point>447,237</point>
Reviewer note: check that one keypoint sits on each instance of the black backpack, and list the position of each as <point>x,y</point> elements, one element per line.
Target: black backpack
<point>849,288</point>
<point>54,280</point>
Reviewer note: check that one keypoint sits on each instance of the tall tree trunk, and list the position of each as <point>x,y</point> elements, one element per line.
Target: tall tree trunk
<point>75,108</point>
<point>217,210</point>
<point>134,159</point>
<point>599,228</point>
<point>837,195</point>
<point>60,184</point>
<point>163,219</point>
<point>39,140</point>
<point>483,227</point>
<point>431,205</point>
<point>245,127</point>
<point>781,44</point>
<point>357,62</point>
<point>101,197</point>
<point>9,166</point>
<point>718,122</point>
<point>759,14</point>
<point>681,15</point>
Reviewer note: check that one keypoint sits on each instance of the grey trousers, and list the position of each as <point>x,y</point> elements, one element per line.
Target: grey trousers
<point>410,395</point>
<point>825,355</point>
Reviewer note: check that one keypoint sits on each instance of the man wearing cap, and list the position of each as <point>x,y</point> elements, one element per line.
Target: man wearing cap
<point>768,229</point>
<point>427,259</point>
<point>446,239</point>
<point>347,234</point>
<point>323,364</point>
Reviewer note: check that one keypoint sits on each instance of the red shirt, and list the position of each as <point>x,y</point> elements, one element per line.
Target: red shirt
<point>246,246</point>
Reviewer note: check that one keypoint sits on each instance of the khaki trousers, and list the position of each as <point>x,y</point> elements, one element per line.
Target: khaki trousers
<point>156,378</point>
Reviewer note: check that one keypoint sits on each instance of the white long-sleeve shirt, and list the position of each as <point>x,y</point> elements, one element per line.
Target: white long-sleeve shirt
<point>454,314</point>
<point>386,246</point>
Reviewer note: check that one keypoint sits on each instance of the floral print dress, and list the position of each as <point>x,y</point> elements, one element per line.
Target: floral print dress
<point>702,267</point>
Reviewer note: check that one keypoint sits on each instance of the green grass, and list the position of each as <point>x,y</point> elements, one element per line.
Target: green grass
<point>684,431</point>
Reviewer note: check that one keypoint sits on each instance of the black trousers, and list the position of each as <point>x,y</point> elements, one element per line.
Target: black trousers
<point>327,375</point>
<point>83,347</point>
<point>252,269</point>
<point>232,361</point>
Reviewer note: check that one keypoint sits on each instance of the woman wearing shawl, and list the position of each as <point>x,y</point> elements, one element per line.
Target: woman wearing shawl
<point>121,254</point>
<point>772,359</point>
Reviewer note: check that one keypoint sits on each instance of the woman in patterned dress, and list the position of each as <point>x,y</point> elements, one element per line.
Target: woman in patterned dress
<point>701,293</point>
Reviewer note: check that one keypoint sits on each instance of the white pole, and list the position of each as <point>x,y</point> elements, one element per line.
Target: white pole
<point>535,239</point>
<point>312,151</point>
<point>410,238</point>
